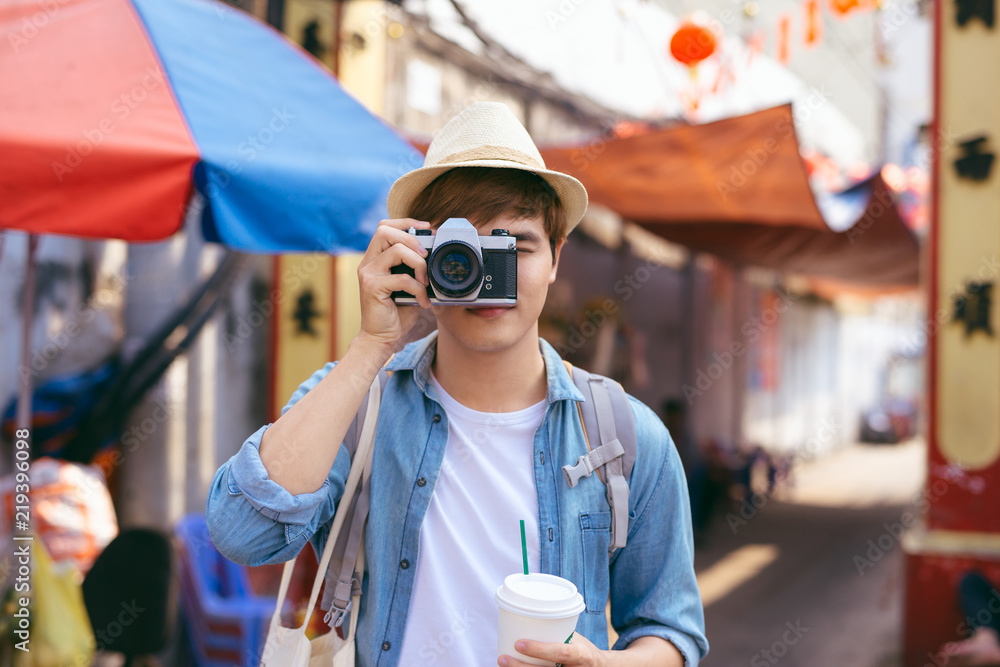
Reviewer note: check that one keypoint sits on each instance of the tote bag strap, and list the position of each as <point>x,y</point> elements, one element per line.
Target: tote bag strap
<point>359,466</point>
<point>356,600</point>
<point>340,581</point>
<point>286,577</point>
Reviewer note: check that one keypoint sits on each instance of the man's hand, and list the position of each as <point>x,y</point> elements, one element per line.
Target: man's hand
<point>381,321</point>
<point>580,651</point>
<point>648,650</point>
<point>299,449</point>
<point>980,650</point>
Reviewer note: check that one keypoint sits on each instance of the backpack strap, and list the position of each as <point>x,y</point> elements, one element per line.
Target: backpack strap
<point>607,413</point>
<point>342,580</point>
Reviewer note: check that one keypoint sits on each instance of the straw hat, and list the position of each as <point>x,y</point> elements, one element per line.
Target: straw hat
<point>485,134</point>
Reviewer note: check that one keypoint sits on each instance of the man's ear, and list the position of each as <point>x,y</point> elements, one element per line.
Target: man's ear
<point>557,249</point>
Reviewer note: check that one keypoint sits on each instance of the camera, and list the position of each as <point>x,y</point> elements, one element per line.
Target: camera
<point>464,268</point>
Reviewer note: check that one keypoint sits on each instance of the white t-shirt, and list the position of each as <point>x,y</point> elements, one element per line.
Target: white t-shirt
<point>470,538</point>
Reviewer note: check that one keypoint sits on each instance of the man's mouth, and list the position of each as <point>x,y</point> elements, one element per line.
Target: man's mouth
<point>487,311</point>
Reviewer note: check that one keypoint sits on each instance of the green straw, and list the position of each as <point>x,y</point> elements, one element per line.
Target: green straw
<point>524,548</point>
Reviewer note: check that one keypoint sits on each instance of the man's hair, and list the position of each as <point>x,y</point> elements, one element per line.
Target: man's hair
<point>483,193</point>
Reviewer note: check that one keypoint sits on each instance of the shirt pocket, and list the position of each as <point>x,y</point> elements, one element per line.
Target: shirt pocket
<point>596,530</point>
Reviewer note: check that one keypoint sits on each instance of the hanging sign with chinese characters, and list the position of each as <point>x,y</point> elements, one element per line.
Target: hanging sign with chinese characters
<point>959,525</point>
<point>984,10</point>
<point>303,329</point>
<point>965,350</point>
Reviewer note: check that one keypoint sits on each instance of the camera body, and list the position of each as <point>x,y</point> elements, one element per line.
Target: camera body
<point>464,268</point>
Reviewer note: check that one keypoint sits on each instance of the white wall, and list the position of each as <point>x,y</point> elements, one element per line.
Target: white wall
<point>802,405</point>
<point>72,330</point>
<point>908,79</point>
<point>214,396</point>
<point>210,398</point>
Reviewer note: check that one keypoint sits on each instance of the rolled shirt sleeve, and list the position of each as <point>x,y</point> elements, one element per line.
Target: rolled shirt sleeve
<point>653,586</point>
<point>248,476</point>
<point>252,519</point>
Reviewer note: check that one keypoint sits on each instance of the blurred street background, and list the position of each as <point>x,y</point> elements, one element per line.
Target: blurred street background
<point>789,255</point>
<point>793,562</point>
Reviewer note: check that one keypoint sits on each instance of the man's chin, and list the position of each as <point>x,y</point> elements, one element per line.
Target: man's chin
<point>483,334</point>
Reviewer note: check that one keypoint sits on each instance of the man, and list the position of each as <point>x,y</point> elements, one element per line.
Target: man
<point>476,421</point>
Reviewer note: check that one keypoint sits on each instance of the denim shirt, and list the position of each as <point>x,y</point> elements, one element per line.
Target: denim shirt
<point>651,581</point>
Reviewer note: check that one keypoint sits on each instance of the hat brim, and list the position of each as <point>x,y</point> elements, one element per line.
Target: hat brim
<point>572,195</point>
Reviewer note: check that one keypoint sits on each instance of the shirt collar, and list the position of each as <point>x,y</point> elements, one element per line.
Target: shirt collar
<point>418,356</point>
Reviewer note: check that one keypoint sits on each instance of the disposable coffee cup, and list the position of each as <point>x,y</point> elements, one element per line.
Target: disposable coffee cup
<point>542,607</point>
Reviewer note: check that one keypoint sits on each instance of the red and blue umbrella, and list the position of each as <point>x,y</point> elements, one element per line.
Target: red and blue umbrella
<point>111,110</point>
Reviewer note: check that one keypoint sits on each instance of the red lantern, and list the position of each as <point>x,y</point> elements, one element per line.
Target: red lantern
<point>692,43</point>
<point>844,7</point>
<point>814,23</point>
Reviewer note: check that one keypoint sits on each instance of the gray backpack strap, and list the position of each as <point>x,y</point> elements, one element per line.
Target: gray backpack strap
<point>615,482</point>
<point>341,582</point>
<point>607,414</point>
<point>593,460</point>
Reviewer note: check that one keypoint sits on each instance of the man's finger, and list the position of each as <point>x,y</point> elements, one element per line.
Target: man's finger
<point>400,254</point>
<point>508,661</point>
<point>388,235</point>
<point>565,653</point>
<point>404,223</point>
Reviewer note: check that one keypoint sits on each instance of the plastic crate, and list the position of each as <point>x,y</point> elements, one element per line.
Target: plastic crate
<point>226,622</point>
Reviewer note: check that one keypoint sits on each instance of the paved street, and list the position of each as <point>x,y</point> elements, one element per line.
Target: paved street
<point>784,587</point>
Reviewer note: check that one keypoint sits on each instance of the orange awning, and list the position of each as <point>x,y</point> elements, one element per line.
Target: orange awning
<point>738,189</point>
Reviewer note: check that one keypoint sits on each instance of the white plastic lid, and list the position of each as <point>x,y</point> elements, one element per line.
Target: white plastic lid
<point>539,596</point>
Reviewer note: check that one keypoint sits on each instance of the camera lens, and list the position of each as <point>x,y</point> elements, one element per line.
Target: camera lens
<point>455,269</point>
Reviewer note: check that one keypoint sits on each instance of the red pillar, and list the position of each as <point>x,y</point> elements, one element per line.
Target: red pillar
<point>960,529</point>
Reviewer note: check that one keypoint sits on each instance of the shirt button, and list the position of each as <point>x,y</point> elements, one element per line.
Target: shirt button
<point>436,418</point>
<point>404,564</point>
<point>421,482</point>
<point>386,646</point>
